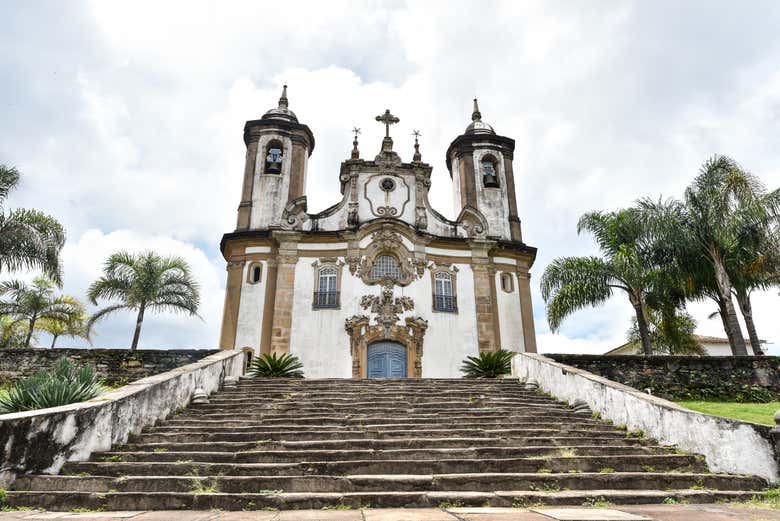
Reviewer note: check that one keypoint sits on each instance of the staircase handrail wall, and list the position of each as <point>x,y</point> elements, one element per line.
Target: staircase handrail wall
<point>728,445</point>
<point>42,441</point>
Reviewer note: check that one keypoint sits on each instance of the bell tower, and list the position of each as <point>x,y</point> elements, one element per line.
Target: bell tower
<point>277,153</point>
<point>480,164</point>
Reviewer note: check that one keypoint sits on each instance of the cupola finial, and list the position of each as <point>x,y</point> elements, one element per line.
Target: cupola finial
<point>476,115</point>
<point>283,101</point>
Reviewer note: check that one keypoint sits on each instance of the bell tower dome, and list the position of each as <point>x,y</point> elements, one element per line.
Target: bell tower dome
<point>277,152</point>
<point>480,164</point>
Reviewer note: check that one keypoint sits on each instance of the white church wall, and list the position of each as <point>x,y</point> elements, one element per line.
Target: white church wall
<point>509,315</point>
<point>317,336</point>
<point>250,309</point>
<point>451,337</point>
<point>269,192</point>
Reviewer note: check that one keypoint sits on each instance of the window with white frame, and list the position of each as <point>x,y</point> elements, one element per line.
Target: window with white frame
<point>443,292</point>
<point>327,294</point>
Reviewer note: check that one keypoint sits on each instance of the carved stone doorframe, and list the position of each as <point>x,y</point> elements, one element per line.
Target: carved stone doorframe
<point>410,335</point>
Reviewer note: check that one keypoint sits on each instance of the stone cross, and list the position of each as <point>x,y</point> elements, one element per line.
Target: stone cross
<point>388,119</point>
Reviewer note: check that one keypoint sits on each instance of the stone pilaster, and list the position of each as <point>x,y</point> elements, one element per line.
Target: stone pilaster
<point>526,309</point>
<point>483,296</point>
<point>235,278</point>
<point>287,258</point>
<point>245,208</point>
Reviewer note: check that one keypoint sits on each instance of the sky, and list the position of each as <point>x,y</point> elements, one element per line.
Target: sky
<point>126,119</point>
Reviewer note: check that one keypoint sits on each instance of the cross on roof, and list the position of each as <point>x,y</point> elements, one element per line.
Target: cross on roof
<point>356,131</point>
<point>388,119</point>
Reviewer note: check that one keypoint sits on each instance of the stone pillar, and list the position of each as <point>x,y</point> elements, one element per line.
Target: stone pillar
<point>526,309</point>
<point>285,285</point>
<point>235,278</point>
<point>483,296</point>
<point>494,307</point>
<point>245,208</point>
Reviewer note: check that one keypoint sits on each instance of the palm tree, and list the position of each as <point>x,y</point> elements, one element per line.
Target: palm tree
<point>12,333</point>
<point>707,230</point>
<point>28,238</point>
<point>573,283</point>
<point>144,282</point>
<point>75,326</point>
<point>30,303</point>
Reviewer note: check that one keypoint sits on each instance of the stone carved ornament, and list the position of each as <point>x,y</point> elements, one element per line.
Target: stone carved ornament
<point>386,308</point>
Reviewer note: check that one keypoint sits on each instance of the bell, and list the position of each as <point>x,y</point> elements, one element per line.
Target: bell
<point>491,181</point>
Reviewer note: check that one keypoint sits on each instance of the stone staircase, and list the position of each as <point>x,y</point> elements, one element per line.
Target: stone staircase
<point>300,444</point>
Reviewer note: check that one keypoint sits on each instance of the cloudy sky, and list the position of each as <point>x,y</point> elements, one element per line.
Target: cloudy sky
<point>126,118</point>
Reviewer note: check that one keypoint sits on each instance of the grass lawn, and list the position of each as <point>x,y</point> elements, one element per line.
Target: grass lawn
<point>750,412</point>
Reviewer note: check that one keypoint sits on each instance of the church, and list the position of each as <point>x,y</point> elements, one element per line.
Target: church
<point>379,285</point>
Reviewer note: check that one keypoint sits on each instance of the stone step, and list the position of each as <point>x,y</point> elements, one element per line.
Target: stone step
<point>481,482</point>
<point>383,444</point>
<point>395,405</point>
<point>371,412</point>
<point>486,417</point>
<point>216,434</point>
<point>277,456</point>
<point>118,501</point>
<point>637,462</point>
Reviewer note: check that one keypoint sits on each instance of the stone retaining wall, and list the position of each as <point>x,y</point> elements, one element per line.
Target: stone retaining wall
<point>744,378</point>
<point>728,445</point>
<point>116,366</point>
<point>42,441</point>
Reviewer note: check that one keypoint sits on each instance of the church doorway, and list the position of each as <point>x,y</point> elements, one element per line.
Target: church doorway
<point>386,359</point>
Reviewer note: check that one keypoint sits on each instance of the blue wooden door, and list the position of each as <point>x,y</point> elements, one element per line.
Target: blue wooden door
<point>386,360</point>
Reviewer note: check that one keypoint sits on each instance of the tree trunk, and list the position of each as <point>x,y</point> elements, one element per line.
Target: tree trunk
<point>743,300</point>
<point>738,347</point>
<point>138,322</point>
<point>641,320</point>
<point>53,340</point>
<point>30,332</point>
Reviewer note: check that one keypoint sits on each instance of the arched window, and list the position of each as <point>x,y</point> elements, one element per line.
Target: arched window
<point>386,266</point>
<point>255,273</point>
<point>507,282</point>
<point>327,294</point>
<point>273,157</point>
<point>489,171</point>
<point>443,294</point>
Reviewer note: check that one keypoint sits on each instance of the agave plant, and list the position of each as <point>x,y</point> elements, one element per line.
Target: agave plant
<point>272,366</point>
<point>488,365</point>
<point>65,383</point>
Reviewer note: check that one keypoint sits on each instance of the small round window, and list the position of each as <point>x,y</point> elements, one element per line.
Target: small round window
<point>387,184</point>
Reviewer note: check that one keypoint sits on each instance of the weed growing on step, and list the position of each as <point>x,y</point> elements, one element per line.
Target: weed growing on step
<point>204,485</point>
<point>543,470</point>
<point>567,453</point>
<point>450,504</point>
<point>10,508</point>
<point>158,450</point>
<point>551,486</point>
<point>527,502</point>
<point>113,458</point>
<point>597,502</point>
<point>639,433</point>
<point>79,510</point>
<point>648,468</point>
<point>270,491</point>
<point>606,470</point>
<point>340,506</point>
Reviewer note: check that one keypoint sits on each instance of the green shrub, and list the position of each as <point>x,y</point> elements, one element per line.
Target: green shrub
<point>65,383</point>
<point>271,366</point>
<point>488,365</point>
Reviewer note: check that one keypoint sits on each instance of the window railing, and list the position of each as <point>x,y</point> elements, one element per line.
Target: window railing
<point>326,299</point>
<point>447,303</point>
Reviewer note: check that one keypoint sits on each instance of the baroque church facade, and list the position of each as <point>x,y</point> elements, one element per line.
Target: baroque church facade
<point>379,284</point>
